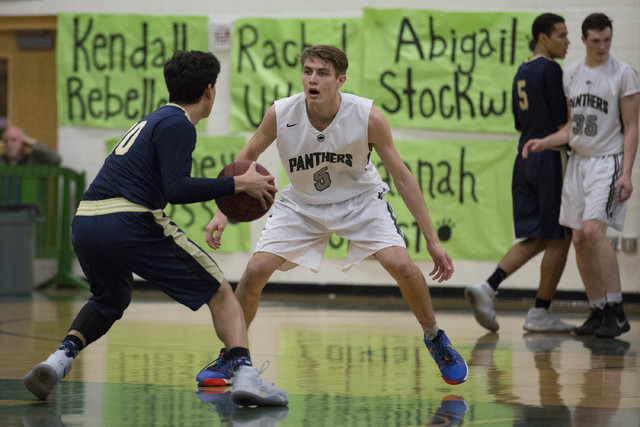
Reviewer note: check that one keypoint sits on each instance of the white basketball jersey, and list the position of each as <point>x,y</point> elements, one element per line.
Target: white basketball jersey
<point>593,95</point>
<point>331,165</point>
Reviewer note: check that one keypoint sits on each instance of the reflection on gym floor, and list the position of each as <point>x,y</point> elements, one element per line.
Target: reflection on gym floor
<point>351,365</point>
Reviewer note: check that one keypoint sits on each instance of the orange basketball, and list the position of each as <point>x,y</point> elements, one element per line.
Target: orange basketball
<point>241,207</point>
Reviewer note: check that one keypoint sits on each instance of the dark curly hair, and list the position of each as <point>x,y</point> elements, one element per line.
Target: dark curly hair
<point>187,75</point>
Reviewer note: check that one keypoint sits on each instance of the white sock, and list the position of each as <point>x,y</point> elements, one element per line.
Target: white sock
<point>598,303</point>
<point>614,298</point>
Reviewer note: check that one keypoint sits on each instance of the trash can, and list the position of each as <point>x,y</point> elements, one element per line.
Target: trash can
<point>17,248</point>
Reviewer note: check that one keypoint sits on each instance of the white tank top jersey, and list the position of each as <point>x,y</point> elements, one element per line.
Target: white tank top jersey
<point>326,166</point>
<point>593,95</point>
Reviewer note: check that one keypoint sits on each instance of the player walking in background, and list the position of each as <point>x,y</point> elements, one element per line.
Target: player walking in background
<point>539,109</point>
<point>324,139</point>
<point>120,229</point>
<point>604,101</point>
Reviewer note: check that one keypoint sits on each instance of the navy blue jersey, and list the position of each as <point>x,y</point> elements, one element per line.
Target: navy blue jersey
<point>151,165</point>
<point>539,104</point>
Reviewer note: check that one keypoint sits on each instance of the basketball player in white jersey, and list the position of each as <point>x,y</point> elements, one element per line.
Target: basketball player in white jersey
<point>603,94</point>
<point>324,139</point>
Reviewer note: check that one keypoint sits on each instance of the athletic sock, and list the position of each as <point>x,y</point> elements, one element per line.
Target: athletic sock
<point>430,330</point>
<point>614,298</point>
<point>599,303</point>
<point>237,352</point>
<point>239,356</point>
<point>496,278</point>
<point>542,303</point>
<point>70,347</point>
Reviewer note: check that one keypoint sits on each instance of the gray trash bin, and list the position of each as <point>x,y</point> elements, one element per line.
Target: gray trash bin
<point>17,248</point>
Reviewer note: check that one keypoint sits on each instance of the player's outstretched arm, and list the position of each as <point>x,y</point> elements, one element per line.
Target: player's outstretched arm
<point>262,139</point>
<point>406,184</point>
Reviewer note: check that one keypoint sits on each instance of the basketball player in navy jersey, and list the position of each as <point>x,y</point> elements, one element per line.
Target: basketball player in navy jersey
<point>120,229</point>
<point>324,139</point>
<point>603,95</point>
<point>539,109</point>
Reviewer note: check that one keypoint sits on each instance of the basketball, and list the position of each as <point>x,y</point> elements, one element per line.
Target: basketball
<point>241,207</point>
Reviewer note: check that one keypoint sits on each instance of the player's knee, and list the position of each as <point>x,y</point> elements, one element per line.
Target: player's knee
<point>120,305</point>
<point>406,271</point>
<point>535,243</point>
<point>256,275</point>
<point>113,307</point>
<point>593,232</point>
<point>251,285</point>
<point>578,239</point>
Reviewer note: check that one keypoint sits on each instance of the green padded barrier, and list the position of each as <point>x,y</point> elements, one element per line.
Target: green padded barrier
<point>57,192</point>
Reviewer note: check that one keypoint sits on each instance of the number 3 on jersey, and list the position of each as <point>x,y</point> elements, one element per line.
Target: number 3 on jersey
<point>588,124</point>
<point>129,138</point>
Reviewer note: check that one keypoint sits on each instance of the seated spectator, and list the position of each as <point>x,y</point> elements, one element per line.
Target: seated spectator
<point>15,143</point>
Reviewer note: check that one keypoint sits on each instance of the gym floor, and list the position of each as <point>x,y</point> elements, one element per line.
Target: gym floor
<point>344,360</point>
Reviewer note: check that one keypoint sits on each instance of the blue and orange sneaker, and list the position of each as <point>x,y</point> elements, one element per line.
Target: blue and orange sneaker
<point>450,413</point>
<point>217,373</point>
<point>452,366</point>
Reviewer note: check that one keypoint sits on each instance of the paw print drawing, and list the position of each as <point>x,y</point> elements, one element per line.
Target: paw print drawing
<point>444,228</point>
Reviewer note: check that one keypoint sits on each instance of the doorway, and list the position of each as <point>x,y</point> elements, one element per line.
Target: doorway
<point>28,76</point>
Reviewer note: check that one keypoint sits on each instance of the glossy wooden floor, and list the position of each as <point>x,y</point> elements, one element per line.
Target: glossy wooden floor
<point>353,364</point>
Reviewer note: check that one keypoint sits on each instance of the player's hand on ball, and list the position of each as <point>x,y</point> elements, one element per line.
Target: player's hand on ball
<point>214,230</point>
<point>256,185</point>
<point>254,191</point>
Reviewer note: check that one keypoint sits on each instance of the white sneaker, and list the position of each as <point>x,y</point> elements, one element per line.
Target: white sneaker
<point>46,375</point>
<point>481,297</point>
<point>543,342</point>
<point>265,416</point>
<point>251,390</point>
<point>542,320</point>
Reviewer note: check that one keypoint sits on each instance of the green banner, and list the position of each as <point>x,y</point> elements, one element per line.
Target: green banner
<point>444,70</point>
<point>209,157</point>
<point>110,67</point>
<point>467,188</point>
<point>265,65</point>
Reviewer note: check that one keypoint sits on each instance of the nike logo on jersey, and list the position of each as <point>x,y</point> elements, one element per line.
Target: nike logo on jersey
<point>289,125</point>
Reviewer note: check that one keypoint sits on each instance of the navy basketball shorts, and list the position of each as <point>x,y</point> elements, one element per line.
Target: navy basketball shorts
<point>113,247</point>
<point>536,193</point>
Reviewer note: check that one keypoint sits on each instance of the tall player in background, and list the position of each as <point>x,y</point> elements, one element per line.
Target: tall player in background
<point>120,229</point>
<point>539,109</point>
<point>324,139</point>
<point>604,101</point>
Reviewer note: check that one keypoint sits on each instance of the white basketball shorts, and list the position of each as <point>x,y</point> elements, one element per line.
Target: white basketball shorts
<point>300,232</point>
<point>589,191</point>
